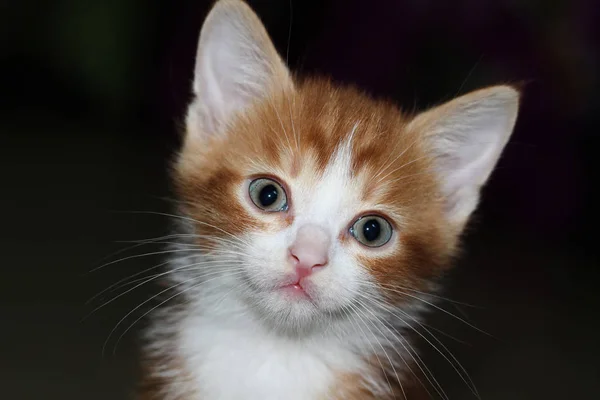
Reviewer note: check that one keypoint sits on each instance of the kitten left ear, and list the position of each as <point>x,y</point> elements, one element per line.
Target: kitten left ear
<point>236,65</point>
<point>467,136</point>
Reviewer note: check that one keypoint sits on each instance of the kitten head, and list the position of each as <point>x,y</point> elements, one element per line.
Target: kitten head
<point>314,202</point>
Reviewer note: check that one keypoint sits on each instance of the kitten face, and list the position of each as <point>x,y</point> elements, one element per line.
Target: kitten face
<point>316,203</point>
<point>337,157</point>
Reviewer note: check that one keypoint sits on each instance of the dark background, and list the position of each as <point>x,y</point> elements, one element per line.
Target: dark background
<point>91,97</point>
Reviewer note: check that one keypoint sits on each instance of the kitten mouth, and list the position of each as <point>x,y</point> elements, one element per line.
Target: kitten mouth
<point>295,290</point>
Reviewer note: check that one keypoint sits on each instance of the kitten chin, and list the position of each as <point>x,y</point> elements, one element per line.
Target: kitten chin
<point>314,224</point>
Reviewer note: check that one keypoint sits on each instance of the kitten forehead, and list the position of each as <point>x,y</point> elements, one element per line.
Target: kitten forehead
<point>330,198</point>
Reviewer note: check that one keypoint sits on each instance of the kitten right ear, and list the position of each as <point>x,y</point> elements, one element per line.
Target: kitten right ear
<point>236,65</point>
<point>466,137</point>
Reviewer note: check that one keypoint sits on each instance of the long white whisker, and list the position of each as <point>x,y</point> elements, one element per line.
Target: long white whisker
<point>185,268</point>
<point>152,298</point>
<point>354,309</point>
<point>282,127</point>
<point>210,238</point>
<point>428,375</point>
<point>384,351</point>
<point>223,261</point>
<point>237,239</point>
<point>125,279</point>
<point>387,285</point>
<point>153,278</point>
<point>171,251</point>
<point>137,244</point>
<point>394,160</point>
<point>154,253</point>
<point>437,308</point>
<point>470,383</point>
<point>402,166</point>
<point>293,126</point>
<point>354,322</point>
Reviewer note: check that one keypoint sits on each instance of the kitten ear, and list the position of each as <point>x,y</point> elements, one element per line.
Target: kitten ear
<point>467,136</point>
<point>236,65</point>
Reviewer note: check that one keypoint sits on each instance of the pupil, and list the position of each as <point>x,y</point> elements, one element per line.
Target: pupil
<point>371,230</point>
<point>268,195</point>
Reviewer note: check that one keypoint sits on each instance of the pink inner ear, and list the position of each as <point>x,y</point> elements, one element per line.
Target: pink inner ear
<point>236,64</point>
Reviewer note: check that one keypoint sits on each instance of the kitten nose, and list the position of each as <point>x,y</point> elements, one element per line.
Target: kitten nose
<point>309,250</point>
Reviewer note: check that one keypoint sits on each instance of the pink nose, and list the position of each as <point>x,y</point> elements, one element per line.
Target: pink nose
<point>309,250</point>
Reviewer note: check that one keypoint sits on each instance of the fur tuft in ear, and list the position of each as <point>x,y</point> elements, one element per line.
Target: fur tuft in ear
<point>467,136</point>
<point>236,65</point>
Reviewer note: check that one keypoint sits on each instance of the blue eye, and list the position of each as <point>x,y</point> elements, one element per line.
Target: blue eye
<point>268,195</point>
<point>372,230</point>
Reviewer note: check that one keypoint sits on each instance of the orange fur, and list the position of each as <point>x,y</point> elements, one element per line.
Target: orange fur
<point>352,387</point>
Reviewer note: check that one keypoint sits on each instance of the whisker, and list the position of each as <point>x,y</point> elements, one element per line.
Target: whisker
<point>189,219</point>
<point>195,249</point>
<point>470,384</point>
<point>124,279</point>
<point>428,171</point>
<point>173,200</point>
<point>436,307</point>
<point>402,166</point>
<point>354,322</point>
<point>137,244</point>
<point>153,278</point>
<point>154,253</point>
<point>387,163</point>
<point>394,160</point>
<point>385,352</point>
<point>189,235</point>
<point>274,107</point>
<point>387,285</point>
<point>149,269</point>
<point>428,375</point>
<point>197,246</point>
<point>150,299</point>
<point>375,352</point>
<point>433,328</point>
<point>292,119</point>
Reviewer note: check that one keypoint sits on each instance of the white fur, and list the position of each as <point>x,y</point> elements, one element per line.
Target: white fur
<point>239,359</point>
<point>225,353</point>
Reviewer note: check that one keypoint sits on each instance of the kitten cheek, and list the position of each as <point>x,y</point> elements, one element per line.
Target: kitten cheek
<point>334,295</point>
<point>388,270</point>
<point>266,261</point>
<point>413,267</point>
<point>338,284</point>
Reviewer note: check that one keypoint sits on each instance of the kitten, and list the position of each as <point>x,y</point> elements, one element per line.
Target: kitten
<point>313,221</point>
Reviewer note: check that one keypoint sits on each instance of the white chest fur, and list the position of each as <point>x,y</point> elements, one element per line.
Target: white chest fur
<point>229,361</point>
